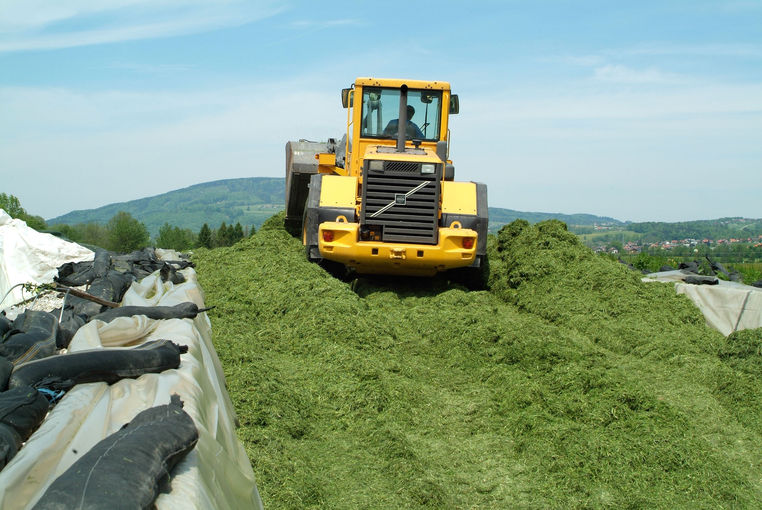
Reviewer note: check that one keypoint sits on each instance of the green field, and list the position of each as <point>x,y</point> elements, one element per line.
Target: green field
<point>570,384</point>
<point>608,236</point>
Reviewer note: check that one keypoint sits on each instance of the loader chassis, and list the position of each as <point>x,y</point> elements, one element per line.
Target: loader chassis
<point>383,199</point>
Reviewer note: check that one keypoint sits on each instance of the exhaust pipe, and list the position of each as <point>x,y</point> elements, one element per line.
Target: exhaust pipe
<point>402,120</point>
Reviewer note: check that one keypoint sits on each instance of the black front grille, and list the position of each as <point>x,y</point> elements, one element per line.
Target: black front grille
<point>402,167</point>
<point>414,215</point>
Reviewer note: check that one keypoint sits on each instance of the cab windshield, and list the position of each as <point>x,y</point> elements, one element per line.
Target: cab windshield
<point>380,112</point>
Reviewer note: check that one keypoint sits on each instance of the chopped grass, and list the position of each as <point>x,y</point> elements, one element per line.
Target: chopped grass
<point>570,385</point>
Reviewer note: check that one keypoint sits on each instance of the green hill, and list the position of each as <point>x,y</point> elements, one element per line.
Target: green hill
<point>699,229</point>
<point>249,201</point>
<point>499,217</point>
<point>571,384</point>
<point>252,200</point>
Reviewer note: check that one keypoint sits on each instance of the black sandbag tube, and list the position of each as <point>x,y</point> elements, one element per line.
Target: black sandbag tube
<point>68,325</point>
<point>98,365</point>
<point>701,280</point>
<point>5,325</point>
<point>129,468</point>
<point>21,412</point>
<point>110,287</point>
<point>75,274</point>
<point>187,310</point>
<point>168,272</point>
<point>33,336</point>
<point>6,367</point>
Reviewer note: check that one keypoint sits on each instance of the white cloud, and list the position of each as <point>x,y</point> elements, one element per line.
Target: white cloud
<point>321,24</point>
<point>583,60</point>
<point>609,60</point>
<point>587,148</point>
<point>29,15</point>
<point>36,24</point>
<point>593,101</point>
<point>616,73</point>
<point>612,150</point>
<point>706,50</point>
<point>150,68</point>
<point>61,146</point>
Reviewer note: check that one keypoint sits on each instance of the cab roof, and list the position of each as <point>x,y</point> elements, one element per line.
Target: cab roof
<point>397,83</point>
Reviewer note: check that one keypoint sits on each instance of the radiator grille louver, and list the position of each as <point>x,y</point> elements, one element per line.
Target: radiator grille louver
<point>402,167</point>
<point>413,222</point>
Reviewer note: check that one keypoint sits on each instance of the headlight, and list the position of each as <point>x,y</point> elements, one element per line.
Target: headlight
<point>428,168</point>
<point>376,165</point>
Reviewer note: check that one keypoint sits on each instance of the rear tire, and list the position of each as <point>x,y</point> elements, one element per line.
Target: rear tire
<point>293,227</point>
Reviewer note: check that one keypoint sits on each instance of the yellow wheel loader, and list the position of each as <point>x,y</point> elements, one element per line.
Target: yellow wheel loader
<point>383,199</point>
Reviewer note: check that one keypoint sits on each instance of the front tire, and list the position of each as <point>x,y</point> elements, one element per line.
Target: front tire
<point>474,277</point>
<point>334,268</point>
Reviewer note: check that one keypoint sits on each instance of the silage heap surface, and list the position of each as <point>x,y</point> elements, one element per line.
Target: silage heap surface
<point>570,384</point>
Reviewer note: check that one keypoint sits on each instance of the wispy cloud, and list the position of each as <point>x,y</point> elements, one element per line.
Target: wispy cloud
<point>150,68</point>
<point>30,15</point>
<point>741,5</point>
<point>580,60</point>
<point>321,24</point>
<point>707,50</point>
<point>162,140</point>
<point>622,74</point>
<point>40,25</point>
<point>609,61</point>
<point>589,102</point>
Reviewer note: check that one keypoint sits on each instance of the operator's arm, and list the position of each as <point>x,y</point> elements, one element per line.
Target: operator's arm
<point>391,128</point>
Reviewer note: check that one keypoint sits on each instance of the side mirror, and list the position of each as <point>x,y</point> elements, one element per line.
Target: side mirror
<point>454,104</point>
<point>346,98</point>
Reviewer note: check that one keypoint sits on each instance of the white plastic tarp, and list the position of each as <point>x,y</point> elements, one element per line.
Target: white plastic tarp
<point>28,256</point>
<point>727,306</point>
<point>216,474</point>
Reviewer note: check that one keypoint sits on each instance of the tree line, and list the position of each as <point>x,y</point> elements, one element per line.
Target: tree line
<point>712,229</point>
<point>123,233</point>
<point>12,206</point>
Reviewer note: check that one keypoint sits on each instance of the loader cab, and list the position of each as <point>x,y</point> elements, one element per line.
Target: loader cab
<point>374,111</point>
<point>380,114</point>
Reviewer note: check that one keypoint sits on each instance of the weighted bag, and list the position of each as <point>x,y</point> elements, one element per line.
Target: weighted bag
<point>22,410</point>
<point>701,280</point>
<point>6,367</point>
<point>69,325</point>
<point>75,274</point>
<point>98,365</point>
<point>129,468</point>
<point>168,272</point>
<point>5,325</point>
<point>187,310</point>
<point>33,337</point>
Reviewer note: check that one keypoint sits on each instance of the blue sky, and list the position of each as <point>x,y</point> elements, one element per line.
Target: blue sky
<point>648,110</point>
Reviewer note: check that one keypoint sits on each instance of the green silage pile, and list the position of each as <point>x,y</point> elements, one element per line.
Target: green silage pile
<point>547,271</point>
<point>570,384</point>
